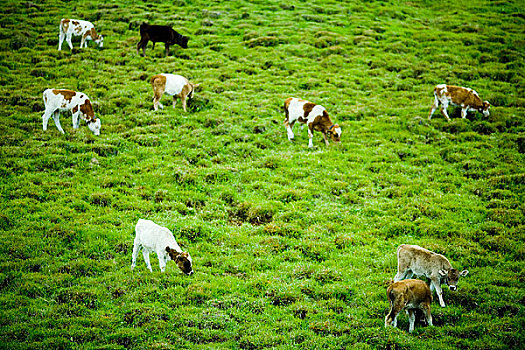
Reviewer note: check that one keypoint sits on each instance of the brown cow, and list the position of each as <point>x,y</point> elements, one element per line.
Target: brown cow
<point>409,295</point>
<point>466,98</point>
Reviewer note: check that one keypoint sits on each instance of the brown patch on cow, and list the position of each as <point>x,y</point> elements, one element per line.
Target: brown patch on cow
<point>78,27</point>
<point>307,108</point>
<point>158,82</point>
<point>65,24</point>
<point>181,259</point>
<point>93,34</point>
<point>68,94</point>
<point>87,109</point>
<point>75,109</point>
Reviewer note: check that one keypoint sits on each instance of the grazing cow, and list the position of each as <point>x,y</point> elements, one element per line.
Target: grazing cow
<point>409,295</point>
<point>154,238</point>
<point>414,260</point>
<point>173,85</point>
<point>77,27</point>
<point>314,116</point>
<point>157,33</point>
<point>66,100</point>
<point>466,98</point>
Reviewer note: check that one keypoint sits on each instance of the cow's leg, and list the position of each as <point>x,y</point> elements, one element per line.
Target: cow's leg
<point>61,38</point>
<point>142,45</point>
<point>437,286</point>
<point>325,139</point>
<point>79,116</point>
<point>45,118</point>
<point>434,107</point>
<point>83,42</point>
<point>136,248</point>
<point>68,41</point>
<point>157,94</point>
<point>464,112</point>
<point>289,127</point>
<point>310,136</point>
<point>74,118</point>
<point>426,311</point>
<point>56,118</point>
<point>162,261</point>
<point>183,99</point>
<point>411,319</point>
<point>444,107</point>
<point>167,50</point>
<point>145,254</point>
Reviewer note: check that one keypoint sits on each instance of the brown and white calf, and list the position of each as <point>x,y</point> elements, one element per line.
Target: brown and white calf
<point>314,116</point>
<point>78,103</point>
<point>409,295</point>
<point>151,237</point>
<point>466,98</point>
<point>86,30</point>
<point>413,260</point>
<point>174,85</point>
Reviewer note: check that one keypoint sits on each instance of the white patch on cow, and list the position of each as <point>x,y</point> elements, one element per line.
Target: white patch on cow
<point>174,84</point>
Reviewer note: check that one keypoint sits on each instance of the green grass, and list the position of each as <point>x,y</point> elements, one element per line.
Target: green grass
<point>292,248</point>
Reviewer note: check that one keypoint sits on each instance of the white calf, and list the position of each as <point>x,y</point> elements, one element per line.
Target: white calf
<point>155,238</point>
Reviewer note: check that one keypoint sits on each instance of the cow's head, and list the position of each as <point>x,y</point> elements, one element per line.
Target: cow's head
<point>334,132</point>
<point>94,126</point>
<point>183,260</point>
<point>183,42</point>
<point>451,277</point>
<point>100,41</point>
<point>485,108</point>
<point>193,86</point>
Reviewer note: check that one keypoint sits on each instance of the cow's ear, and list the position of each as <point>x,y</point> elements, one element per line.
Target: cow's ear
<point>443,273</point>
<point>463,273</point>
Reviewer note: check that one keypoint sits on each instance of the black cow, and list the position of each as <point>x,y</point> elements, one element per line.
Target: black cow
<point>157,33</point>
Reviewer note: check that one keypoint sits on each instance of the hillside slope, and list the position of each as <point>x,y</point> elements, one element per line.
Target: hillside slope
<point>292,247</point>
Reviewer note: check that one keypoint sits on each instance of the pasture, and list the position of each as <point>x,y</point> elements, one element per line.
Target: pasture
<point>292,248</point>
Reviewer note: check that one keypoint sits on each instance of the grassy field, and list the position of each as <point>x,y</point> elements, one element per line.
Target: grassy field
<point>292,247</point>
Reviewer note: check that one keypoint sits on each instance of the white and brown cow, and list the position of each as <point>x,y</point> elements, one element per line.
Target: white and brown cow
<point>409,295</point>
<point>466,98</point>
<point>314,116</point>
<point>78,103</point>
<point>413,260</point>
<point>174,85</point>
<point>84,29</point>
